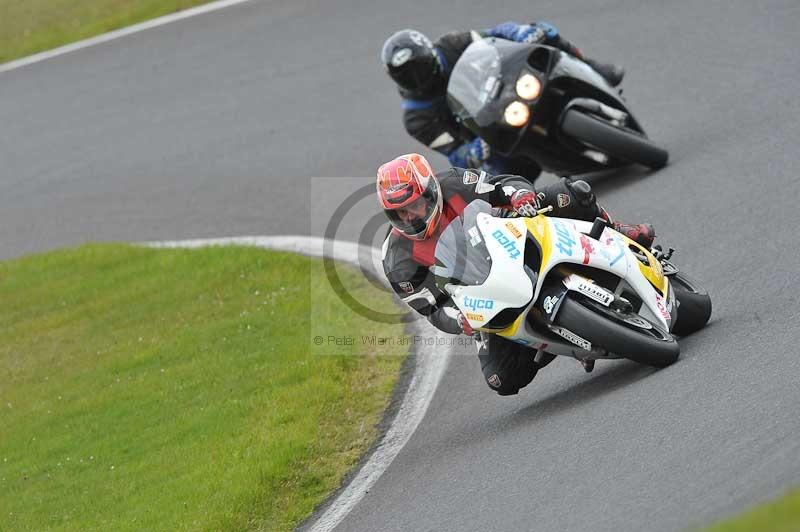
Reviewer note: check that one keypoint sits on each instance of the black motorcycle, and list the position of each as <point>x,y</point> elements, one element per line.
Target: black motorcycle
<point>532,102</point>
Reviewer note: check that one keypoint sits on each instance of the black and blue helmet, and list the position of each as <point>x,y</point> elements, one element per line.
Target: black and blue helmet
<point>412,61</point>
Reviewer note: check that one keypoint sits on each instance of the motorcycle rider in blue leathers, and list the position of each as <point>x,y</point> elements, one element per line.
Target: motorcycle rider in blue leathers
<point>421,70</point>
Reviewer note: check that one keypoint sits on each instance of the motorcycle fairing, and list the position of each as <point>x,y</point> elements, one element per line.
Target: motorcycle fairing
<point>565,241</point>
<point>561,241</point>
<point>483,83</point>
<point>505,241</point>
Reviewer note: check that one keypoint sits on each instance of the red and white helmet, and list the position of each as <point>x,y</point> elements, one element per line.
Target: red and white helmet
<point>410,195</point>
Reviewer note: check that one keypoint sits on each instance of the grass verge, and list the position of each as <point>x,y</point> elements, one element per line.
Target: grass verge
<point>31,26</point>
<point>782,515</point>
<point>145,389</point>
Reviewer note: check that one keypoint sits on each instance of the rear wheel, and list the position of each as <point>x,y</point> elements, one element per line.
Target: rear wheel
<point>617,142</point>
<point>624,333</point>
<point>694,305</point>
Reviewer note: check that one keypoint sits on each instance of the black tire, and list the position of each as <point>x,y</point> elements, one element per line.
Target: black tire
<point>694,305</point>
<point>616,142</point>
<point>606,328</point>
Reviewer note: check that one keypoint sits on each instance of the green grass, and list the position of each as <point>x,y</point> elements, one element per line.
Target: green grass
<point>30,26</point>
<point>782,515</point>
<point>146,389</point>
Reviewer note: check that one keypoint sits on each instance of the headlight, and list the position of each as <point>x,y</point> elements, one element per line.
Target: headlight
<point>529,87</point>
<point>517,114</point>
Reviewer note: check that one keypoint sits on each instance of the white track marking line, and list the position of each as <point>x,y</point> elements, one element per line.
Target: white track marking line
<point>122,32</point>
<point>428,370</point>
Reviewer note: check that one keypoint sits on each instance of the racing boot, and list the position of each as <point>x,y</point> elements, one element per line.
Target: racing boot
<point>642,234</point>
<point>612,73</point>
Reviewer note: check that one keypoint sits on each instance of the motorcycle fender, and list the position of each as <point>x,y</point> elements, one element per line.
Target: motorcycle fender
<point>550,300</point>
<point>618,113</point>
<point>597,108</point>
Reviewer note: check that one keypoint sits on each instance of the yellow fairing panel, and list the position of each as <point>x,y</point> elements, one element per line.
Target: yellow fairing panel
<point>540,229</point>
<point>652,272</point>
<point>512,329</point>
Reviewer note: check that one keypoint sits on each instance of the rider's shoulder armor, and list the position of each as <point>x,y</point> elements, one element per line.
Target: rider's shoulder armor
<point>452,45</point>
<point>457,180</point>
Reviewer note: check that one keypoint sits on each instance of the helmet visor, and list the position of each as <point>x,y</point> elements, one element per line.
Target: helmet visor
<point>418,73</point>
<point>413,219</point>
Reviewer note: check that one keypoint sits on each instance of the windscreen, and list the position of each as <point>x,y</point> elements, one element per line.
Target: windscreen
<point>461,254</point>
<point>475,80</point>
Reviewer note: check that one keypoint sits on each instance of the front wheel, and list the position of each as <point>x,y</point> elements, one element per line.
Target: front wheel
<point>624,333</point>
<point>612,140</point>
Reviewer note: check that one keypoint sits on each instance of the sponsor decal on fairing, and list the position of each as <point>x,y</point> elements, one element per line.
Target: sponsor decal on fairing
<point>548,303</point>
<point>620,247</point>
<point>601,295</point>
<point>475,303</point>
<point>509,245</point>
<point>665,313</point>
<point>514,231</point>
<point>587,247</point>
<point>565,240</point>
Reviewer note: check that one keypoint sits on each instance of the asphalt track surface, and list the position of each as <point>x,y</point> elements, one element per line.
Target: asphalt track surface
<point>218,125</point>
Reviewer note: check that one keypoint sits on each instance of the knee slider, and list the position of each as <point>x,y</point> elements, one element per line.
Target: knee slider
<point>501,387</point>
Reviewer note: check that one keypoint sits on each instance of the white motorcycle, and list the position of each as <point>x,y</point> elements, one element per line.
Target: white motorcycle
<point>567,287</point>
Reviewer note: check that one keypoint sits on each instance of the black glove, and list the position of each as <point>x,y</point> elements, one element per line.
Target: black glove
<point>582,192</point>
